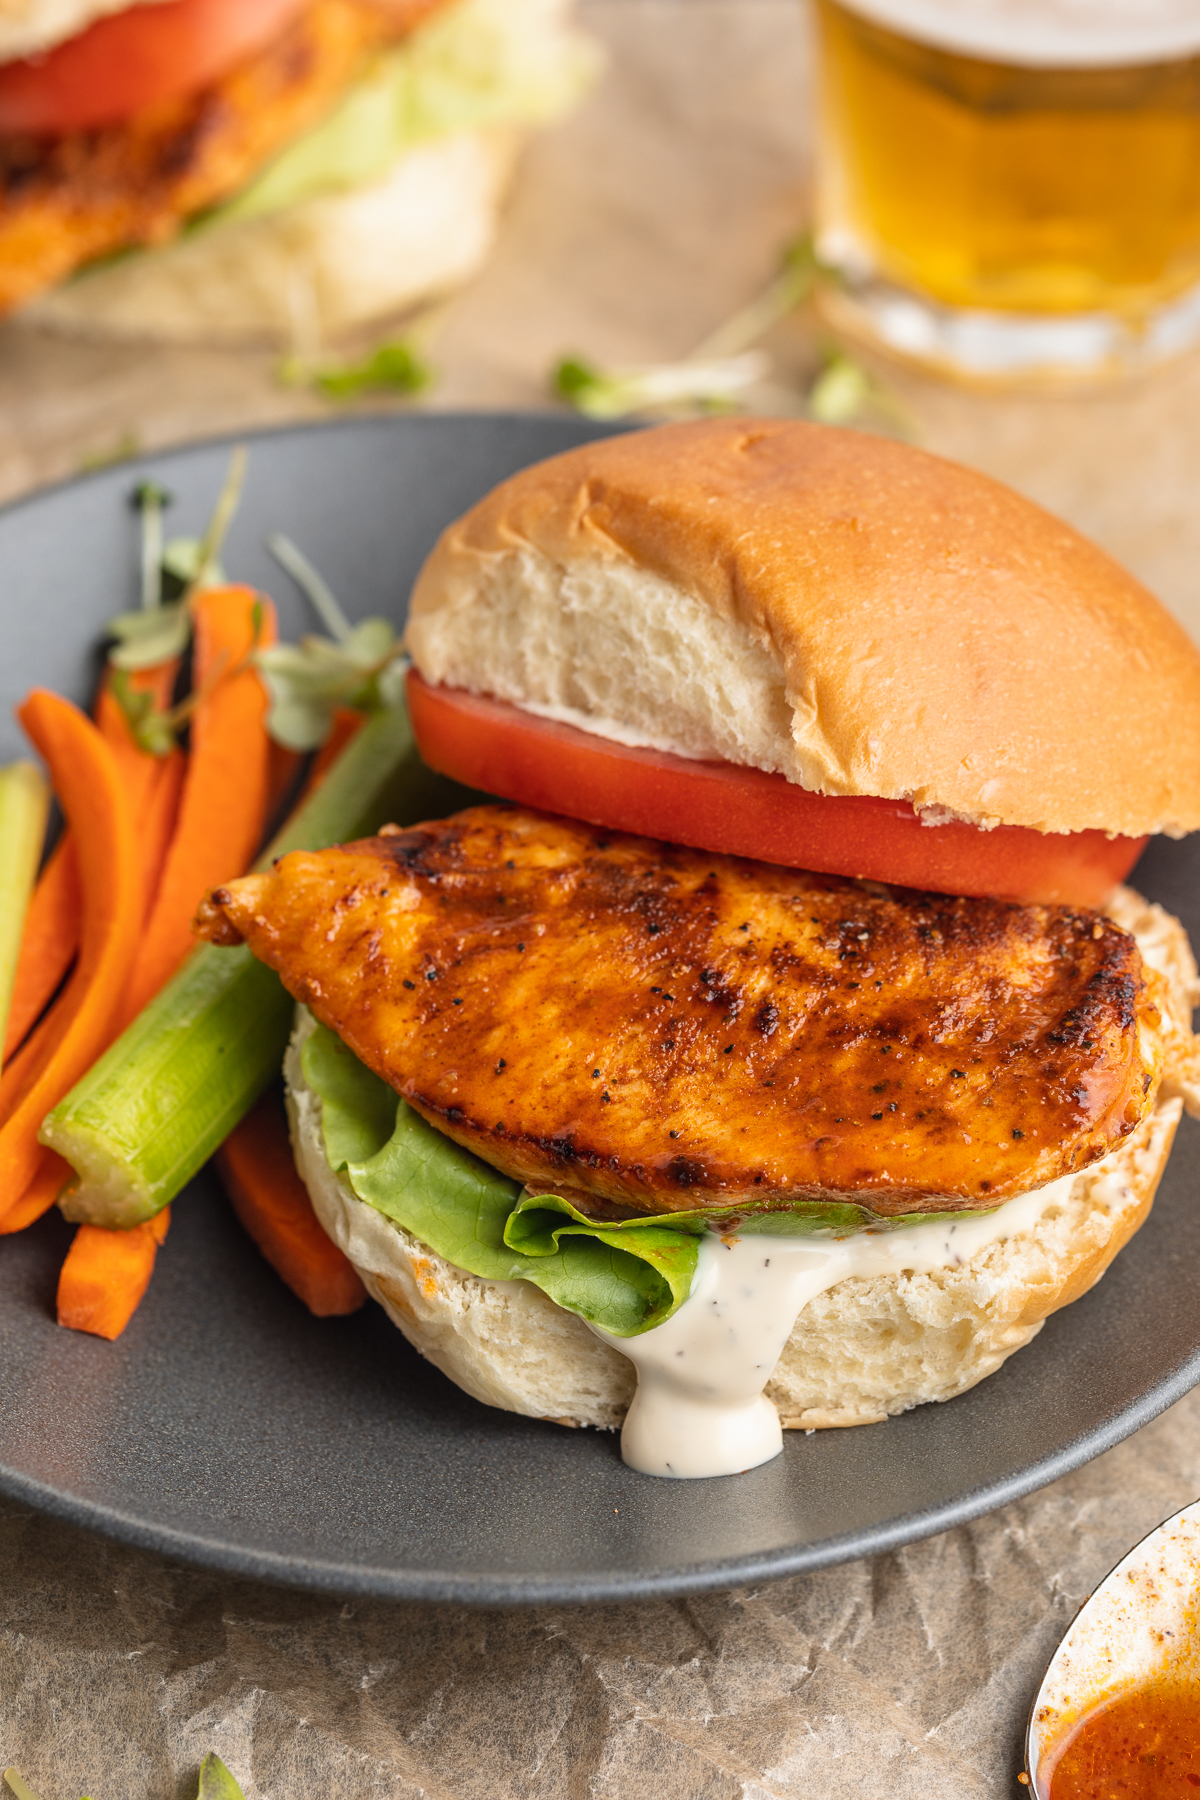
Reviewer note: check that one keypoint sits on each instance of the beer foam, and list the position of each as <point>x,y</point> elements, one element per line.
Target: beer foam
<point>1046,33</point>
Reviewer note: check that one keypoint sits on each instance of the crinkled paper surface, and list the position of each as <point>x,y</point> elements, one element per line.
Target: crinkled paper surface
<point>636,228</point>
<point>902,1678</point>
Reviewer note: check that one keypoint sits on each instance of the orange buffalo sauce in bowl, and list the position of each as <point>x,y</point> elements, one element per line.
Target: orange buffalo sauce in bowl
<point>1117,1716</point>
<point>1142,1745</point>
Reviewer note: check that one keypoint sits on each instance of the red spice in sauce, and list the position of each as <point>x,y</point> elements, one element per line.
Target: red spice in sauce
<point>1144,1745</point>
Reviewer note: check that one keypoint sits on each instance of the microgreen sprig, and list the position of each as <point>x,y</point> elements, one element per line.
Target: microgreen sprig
<point>151,500</point>
<point>355,665</point>
<point>160,629</point>
<point>397,367</point>
<point>729,367</point>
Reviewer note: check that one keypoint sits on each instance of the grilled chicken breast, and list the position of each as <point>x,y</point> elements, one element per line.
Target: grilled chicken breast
<point>650,1028</point>
<point>67,200</point>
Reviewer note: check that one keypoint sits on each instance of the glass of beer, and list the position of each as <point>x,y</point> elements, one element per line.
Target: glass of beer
<point>1010,189</point>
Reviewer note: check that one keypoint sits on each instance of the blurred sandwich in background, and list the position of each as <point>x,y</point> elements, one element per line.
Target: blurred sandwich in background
<point>262,170</point>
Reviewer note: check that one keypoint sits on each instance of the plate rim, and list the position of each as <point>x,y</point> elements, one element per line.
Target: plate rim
<point>370,1581</point>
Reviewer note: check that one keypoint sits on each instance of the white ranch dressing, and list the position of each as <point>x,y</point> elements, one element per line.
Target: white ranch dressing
<point>699,1408</point>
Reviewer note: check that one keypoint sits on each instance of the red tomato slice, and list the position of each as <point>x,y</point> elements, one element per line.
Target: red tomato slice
<point>131,59</point>
<point>746,812</point>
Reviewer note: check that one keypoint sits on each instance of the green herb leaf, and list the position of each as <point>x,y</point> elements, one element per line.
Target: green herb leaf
<point>181,567</point>
<point>145,638</point>
<point>841,393</point>
<point>709,384</point>
<point>398,368</point>
<point>726,366</point>
<point>152,731</point>
<point>308,681</point>
<point>216,1783</point>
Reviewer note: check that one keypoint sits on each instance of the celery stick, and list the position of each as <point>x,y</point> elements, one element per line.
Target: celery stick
<point>24,808</point>
<point>146,1117</point>
<point>19,1785</point>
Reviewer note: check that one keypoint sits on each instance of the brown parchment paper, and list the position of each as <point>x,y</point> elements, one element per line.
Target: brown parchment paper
<point>636,227</point>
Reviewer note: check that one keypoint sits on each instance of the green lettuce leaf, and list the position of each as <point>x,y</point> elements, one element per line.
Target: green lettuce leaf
<point>625,1281</point>
<point>478,63</point>
<point>358,1111</point>
<point>626,1276</point>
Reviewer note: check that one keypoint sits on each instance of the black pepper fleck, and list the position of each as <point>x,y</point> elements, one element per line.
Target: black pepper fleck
<point>408,984</point>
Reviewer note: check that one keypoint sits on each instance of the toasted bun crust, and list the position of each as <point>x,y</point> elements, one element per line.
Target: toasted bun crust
<point>856,614</point>
<point>303,275</point>
<point>863,1350</point>
<point>29,26</point>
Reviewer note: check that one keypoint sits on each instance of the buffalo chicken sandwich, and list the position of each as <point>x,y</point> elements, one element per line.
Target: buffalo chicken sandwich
<point>261,169</point>
<point>784,1047</point>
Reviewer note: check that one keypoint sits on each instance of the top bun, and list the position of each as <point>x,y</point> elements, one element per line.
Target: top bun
<point>30,26</point>
<point>857,615</point>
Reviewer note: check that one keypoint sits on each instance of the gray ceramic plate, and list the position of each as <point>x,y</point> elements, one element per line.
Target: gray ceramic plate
<point>230,1428</point>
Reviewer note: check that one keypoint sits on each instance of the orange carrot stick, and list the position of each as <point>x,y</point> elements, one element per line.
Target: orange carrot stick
<point>106,1273</point>
<point>52,927</point>
<point>138,768</point>
<point>48,945</point>
<point>51,1177</point>
<point>159,821</point>
<point>269,1198</point>
<point>87,781</point>
<point>224,803</point>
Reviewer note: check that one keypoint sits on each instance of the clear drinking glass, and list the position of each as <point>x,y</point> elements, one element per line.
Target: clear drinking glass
<point>1011,188</point>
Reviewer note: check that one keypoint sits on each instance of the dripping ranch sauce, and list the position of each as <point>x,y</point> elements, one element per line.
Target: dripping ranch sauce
<point>1144,1745</point>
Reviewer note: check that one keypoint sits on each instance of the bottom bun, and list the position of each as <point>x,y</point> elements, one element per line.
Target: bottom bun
<point>863,1350</point>
<point>301,276</point>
